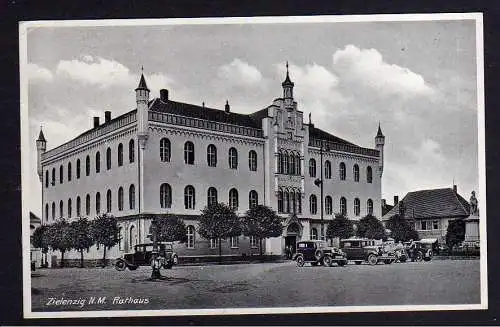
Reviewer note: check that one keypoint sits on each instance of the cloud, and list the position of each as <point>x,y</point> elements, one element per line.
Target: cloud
<point>366,68</point>
<point>40,73</point>
<point>239,73</point>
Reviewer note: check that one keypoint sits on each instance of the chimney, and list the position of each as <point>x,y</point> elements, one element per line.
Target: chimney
<point>107,116</point>
<point>164,95</point>
<point>454,188</point>
<point>96,122</point>
<point>396,200</point>
<point>227,106</point>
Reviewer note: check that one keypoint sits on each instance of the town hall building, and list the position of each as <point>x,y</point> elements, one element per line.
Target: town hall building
<point>166,156</point>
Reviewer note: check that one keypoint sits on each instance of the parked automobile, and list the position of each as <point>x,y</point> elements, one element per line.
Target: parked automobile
<point>418,251</point>
<point>317,252</point>
<point>362,250</point>
<point>397,249</point>
<point>142,255</point>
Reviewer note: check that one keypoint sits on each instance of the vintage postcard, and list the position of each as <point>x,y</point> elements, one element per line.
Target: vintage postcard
<point>253,165</point>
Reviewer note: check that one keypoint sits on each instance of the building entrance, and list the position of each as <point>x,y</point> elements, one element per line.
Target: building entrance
<point>291,244</point>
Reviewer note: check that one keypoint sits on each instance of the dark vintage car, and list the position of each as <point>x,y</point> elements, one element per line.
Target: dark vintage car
<point>142,255</point>
<point>420,250</point>
<point>318,252</point>
<point>362,250</point>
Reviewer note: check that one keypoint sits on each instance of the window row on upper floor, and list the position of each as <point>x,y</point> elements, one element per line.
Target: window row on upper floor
<point>88,165</point>
<point>212,156</point>
<point>289,163</point>
<point>342,171</point>
<point>212,197</point>
<point>313,206</point>
<point>88,201</point>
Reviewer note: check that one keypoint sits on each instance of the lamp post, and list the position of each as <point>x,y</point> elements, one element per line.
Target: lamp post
<point>319,182</point>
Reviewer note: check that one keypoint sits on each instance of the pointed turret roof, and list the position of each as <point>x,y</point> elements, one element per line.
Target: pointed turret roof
<point>41,137</point>
<point>379,133</point>
<point>287,80</point>
<point>142,84</point>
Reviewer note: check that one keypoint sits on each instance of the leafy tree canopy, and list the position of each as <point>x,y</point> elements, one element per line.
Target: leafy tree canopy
<point>340,227</point>
<point>40,238</point>
<point>455,233</point>
<point>370,227</point>
<point>219,221</point>
<point>104,230</point>
<point>80,234</point>
<point>262,222</point>
<point>401,229</point>
<point>170,228</point>
<point>59,236</point>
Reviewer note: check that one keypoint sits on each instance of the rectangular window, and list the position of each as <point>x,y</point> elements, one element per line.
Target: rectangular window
<point>214,243</point>
<point>435,224</point>
<point>424,225</point>
<point>253,242</point>
<point>234,242</point>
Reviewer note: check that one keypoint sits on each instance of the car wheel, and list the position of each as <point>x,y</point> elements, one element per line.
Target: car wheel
<point>419,257</point>
<point>372,259</point>
<point>341,263</point>
<point>120,265</point>
<point>175,259</point>
<point>133,267</point>
<point>357,262</point>
<point>300,261</point>
<point>327,261</point>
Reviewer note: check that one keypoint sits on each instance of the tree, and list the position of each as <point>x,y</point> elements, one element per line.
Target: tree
<point>455,234</point>
<point>219,221</point>
<point>370,227</point>
<point>104,231</point>
<point>170,228</point>
<point>340,227</point>
<point>41,241</point>
<point>59,237</point>
<point>401,230</point>
<point>80,236</point>
<point>261,222</point>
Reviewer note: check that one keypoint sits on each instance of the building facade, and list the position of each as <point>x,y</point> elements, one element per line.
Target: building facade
<point>166,156</point>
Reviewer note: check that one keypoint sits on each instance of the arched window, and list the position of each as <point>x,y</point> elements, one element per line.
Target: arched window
<point>211,196</point>
<point>120,198</point>
<point>252,160</point>
<point>98,203</point>
<point>212,156</point>
<point>297,162</point>
<point>132,237</point>
<point>87,204</point>
<point>280,162</point>
<point>342,171</point>
<point>233,199</point>
<point>108,158</point>
<point>98,162</point>
<point>78,206</point>
<point>190,237</point>
<point>286,201</point>
<point>61,209</point>
<point>189,197</point>
<point>313,204</point>
<point>165,150</point>
<point>328,205</point>
<point>298,197</point>
<point>46,212</point>
<point>280,201</point>
<point>53,211</point>
<point>77,168</point>
<point>343,206</point>
<point>165,195</point>
<point>356,207</point>
<point>189,153</point>
<point>131,151</point>
<point>109,199</point>
<point>131,197</point>
<point>87,166</point>
<point>69,208</point>
<point>120,155</point>
<point>46,178</point>
<point>328,169</point>
<point>314,234</point>
<point>253,199</point>
<point>312,167</point>
<point>233,158</point>
<point>291,167</point>
<point>61,172</point>
<point>369,177</point>
<point>69,171</point>
<point>53,176</point>
<point>285,163</point>
<point>369,207</point>
<point>355,172</point>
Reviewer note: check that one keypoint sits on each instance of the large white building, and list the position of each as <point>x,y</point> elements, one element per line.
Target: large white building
<point>166,156</point>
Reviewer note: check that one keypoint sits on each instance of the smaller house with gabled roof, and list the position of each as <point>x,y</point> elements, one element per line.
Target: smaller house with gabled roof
<point>431,210</point>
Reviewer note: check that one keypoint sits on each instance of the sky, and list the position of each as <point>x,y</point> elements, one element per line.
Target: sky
<point>417,78</point>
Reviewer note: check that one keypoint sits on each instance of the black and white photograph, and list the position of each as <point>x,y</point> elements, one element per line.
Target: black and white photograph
<point>253,165</point>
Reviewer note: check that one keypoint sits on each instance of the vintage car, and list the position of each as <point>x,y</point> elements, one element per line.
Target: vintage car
<point>398,249</point>
<point>318,252</point>
<point>142,255</point>
<point>362,250</point>
<point>418,250</point>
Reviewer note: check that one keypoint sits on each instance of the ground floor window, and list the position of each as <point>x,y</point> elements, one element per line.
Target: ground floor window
<point>190,237</point>
<point>234,242</point>
<point>314,234</point>
<point>253,242</point>
<point>214,243</point>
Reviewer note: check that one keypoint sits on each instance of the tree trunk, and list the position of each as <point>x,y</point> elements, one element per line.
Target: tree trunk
<point>81,258</point>
<point>62,258</point>
<point>104,258</point>
<point>220,250</point>
<point>260,249</point>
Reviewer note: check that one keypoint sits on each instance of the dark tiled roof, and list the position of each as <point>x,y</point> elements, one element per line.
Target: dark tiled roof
<point>41,137</point>
<point>436,203</point>
<point>34,218</point>
<point>194,111</point>
<point>106,123</point>
<point>316,133</point>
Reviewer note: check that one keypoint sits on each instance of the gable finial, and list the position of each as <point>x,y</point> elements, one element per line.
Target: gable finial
<point>142,69</point>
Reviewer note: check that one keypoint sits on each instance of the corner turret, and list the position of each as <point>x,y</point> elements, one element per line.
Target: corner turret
<point>142,100</point>
<point>41,146</point>
<point>379,145</point>
<point>287,85</point>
